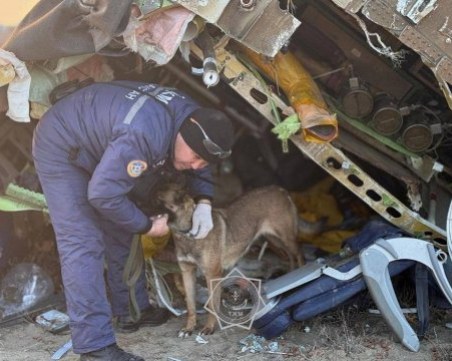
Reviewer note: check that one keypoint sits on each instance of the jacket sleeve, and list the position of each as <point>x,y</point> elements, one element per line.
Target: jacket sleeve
<point>201,183</point>
<point>125,158</point>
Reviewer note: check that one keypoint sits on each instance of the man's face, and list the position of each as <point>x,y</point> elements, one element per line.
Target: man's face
<point>185,157</point>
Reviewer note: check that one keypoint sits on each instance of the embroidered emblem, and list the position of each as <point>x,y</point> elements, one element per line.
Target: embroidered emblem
<point>136,167</point>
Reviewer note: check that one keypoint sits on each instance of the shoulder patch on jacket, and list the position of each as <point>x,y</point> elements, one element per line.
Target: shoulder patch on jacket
<point>136,167</point>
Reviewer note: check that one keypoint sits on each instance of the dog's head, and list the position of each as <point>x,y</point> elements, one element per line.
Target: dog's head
<point>179,203</point>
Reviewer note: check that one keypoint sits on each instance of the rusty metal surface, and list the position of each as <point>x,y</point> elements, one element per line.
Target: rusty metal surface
<point>432,38</point>
<point>249,25</point>
<point>444,69</point>
<point>331,159</point>
<point>383,14</point>
<point>418,42</point>
<point>426,27</point>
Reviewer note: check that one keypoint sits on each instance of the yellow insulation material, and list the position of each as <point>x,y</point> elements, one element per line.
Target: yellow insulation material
<point>317,123</point>
<point>317,203</point>
<point>331,241</point>
<point>153,245</point>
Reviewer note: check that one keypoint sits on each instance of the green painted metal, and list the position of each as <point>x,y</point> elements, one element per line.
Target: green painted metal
<point>18,199</point>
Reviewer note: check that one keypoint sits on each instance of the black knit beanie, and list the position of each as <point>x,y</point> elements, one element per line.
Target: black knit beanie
<point>216,125</point>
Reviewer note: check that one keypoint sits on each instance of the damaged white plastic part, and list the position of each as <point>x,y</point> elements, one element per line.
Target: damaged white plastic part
<point>375,261</point>
<point>449,229</point>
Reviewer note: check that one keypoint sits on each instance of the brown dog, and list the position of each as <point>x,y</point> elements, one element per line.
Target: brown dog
<point>267,211</point>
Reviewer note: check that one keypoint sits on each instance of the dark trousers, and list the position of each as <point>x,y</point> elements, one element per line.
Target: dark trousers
<point>86,242</point>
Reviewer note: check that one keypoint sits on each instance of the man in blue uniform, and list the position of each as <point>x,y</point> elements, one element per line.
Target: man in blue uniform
<point>90,150</point>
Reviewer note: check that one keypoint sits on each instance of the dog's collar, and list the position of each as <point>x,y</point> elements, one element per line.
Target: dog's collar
<point>182,232</point>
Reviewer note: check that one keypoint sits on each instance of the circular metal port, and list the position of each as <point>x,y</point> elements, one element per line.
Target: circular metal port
<point>248,4</point>
<point>417,137</point>
<point>357,103</point>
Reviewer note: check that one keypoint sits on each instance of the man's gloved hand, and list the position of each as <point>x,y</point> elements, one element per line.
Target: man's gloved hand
<point>201,220</point>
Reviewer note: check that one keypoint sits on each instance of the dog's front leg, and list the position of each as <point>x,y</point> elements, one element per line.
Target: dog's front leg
<point>189,278</point>
<point>214,302</point>
<point>179,283</point>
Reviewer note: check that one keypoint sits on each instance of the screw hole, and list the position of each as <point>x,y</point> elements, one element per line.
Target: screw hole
<point>393,212</point>
<point>257,95</point>
<point>373,195</point>
<point>355,180</point>
<point>333,163</point>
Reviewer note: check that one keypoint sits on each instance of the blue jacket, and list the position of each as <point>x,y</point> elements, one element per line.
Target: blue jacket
<point>105,128</point>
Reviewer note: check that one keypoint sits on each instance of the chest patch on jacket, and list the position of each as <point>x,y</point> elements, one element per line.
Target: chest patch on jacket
<point>136,167</point>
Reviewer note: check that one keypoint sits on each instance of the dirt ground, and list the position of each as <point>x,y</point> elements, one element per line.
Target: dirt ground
<point>347,333</point>
<point>338,335</point>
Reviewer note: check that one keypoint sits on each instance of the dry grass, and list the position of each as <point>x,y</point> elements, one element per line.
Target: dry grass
<point>336,330</point>
<point>439,350</point>
<point>351,333</point>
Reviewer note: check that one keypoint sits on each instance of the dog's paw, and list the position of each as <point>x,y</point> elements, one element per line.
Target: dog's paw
<point>207,330</point>
<point>184,333</point>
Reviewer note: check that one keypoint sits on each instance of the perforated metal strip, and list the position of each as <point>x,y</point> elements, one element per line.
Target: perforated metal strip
<point>332,160</point>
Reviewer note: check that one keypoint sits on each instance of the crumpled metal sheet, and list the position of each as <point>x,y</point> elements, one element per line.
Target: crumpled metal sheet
<point>424,26</point>
<point>352,6</point>
<point>416,10</point>
<point>444,68</point>
<point>210,10</point>
<point>421,44</point>
<point>384,15</point>
<point>249,25</point>
<point>431,37</point>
